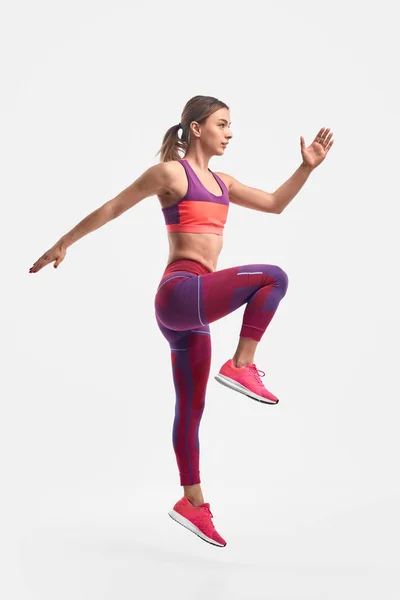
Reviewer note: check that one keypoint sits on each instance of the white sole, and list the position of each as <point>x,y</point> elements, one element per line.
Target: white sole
<point>189,525</point>
<point>238,387</point>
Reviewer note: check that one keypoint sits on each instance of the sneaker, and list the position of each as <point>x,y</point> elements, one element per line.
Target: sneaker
<point>197,519</point>
<point>245,380</point>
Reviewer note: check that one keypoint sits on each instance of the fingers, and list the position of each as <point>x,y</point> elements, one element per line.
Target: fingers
<point>319,135</point>
<point>327,140</point>
<point>58,261</point>
<point>324,139</point>
<point>328,143</point>
<point>40,263</point>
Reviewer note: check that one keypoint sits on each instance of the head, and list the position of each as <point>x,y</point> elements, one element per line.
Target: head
<point>205,122</point>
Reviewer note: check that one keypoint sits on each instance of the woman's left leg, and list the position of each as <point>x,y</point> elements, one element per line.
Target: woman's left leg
<point>185,301</point>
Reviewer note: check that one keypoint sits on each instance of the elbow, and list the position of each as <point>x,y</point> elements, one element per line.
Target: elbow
<point>112,210</point>
<point>273,204</point>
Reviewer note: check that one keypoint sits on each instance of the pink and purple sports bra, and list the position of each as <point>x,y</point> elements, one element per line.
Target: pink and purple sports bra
<point>199,211</point>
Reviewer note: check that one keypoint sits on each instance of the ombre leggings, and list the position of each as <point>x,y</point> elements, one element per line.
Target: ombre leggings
<point>189,298</point>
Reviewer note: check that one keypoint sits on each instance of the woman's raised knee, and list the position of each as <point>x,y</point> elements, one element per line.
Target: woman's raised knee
<point>281,278</point>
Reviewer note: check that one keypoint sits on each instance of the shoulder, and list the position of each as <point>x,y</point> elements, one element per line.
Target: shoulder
<point>227,179</point>
<point>167,172</point>
<point>172,168</point>
<point>171,172</point>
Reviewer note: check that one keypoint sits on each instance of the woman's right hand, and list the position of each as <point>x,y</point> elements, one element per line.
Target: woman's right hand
<point>56,253</point>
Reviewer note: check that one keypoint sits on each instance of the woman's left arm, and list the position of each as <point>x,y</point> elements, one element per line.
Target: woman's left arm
<point>312,157</point>
<point>276,202</point>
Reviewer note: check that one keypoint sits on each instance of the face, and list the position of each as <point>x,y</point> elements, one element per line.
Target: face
<point>215,132</point>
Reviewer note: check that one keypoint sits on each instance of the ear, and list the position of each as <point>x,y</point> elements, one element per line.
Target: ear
<point>195,130</point>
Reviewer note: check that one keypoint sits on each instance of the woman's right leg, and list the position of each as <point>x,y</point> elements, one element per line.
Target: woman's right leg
<point>191,360</point>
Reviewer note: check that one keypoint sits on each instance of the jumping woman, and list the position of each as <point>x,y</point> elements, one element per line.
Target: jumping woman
<point>192,293</point>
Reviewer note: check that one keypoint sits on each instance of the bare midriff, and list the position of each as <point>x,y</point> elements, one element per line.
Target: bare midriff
<point>205,248</point>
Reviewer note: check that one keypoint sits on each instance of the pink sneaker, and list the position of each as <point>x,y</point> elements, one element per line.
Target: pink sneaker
<point>245,380</point>
<point>197,519</point>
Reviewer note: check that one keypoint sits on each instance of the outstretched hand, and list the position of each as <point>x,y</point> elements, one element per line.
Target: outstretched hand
<point>55,254</point>
<point>316,153</point>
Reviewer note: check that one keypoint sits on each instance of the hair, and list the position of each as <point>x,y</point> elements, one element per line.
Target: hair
<point>198,109</point>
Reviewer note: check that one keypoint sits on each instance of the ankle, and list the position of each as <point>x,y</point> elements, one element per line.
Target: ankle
<point>240,362</point>
<point>195,501</point>
<point>194,494</point>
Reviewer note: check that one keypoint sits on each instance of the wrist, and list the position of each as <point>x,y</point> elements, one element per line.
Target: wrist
<point>306,168</point>
<point>64,241</point>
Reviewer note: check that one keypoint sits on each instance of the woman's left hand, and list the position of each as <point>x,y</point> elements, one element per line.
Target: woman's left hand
<point>315,154</point>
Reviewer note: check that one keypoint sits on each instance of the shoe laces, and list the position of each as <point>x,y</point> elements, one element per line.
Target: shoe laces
<point>208,511</point>
<point>256,372</point>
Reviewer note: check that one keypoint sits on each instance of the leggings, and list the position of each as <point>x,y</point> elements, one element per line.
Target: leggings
<point>189,298</point>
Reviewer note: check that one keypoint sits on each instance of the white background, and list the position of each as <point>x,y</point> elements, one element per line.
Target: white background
<point>305,493</point>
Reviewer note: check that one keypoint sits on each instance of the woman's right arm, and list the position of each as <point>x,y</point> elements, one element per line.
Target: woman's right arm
<point>156,180</point>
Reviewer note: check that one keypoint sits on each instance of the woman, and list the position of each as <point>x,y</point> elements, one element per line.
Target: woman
<point>192,293</point>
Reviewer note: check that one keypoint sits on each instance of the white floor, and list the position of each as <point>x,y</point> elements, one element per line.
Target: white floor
<point>122,545</point>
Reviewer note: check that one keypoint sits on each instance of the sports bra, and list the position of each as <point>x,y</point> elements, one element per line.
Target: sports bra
<point>199,211</point>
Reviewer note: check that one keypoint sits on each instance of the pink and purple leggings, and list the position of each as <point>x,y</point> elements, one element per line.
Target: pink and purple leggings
<point>189,298</point>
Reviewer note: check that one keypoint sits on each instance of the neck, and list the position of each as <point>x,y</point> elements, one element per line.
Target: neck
<point>198,160</point>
